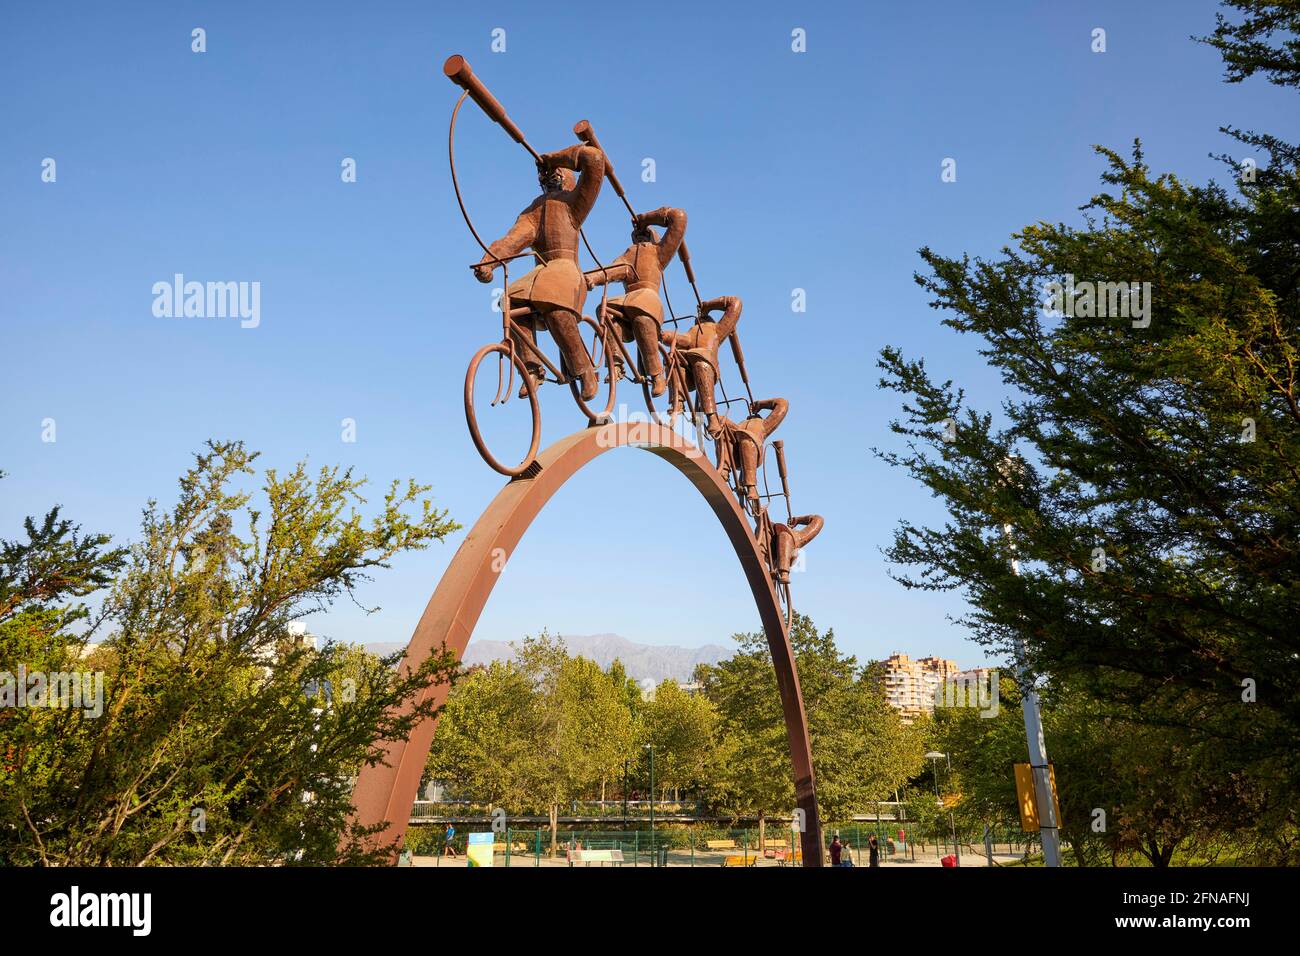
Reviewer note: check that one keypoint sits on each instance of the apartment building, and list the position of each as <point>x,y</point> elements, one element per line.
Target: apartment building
<point>910,685</point>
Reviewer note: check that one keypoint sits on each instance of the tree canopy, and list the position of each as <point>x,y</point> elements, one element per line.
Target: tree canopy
<point>1144,466</point>
<point>215,736</point>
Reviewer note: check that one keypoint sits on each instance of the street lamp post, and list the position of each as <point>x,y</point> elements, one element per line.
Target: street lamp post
<point>653,860</point>
<point>952,819</point>
<point>1048,827</point>
<point>933,756</point>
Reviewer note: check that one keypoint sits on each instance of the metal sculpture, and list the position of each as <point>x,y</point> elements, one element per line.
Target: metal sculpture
<point>640,313</point>
<point>741,446</point>
<point>552,296</point>
<point>385,792</point>
<point>700,347</point>
<point>555,290</point>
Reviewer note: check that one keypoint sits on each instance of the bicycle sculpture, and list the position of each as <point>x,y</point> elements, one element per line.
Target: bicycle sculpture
<point>678,370</point>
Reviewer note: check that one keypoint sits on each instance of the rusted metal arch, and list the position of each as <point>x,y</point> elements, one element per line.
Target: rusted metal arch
<point>387,791</point>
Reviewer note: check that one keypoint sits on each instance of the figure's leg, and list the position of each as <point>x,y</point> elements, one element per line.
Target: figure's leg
<point>726,451</point>
<point>749,451</point>
<point>563,326</point>
<point>646,331</point>
<point>613,311</point>
<point>679,392</point>
<point>705,380</point>
<point>612,314</point>
<point>785,550</point>
<point>524,336</point>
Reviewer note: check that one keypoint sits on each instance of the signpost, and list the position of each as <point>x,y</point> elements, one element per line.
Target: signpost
<point>479,849</point>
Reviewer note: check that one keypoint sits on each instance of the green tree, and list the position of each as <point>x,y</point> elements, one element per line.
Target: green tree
<point>486,736</point>
<point>215,743</point>
<point>1159,789</point>
<point>583,729</point>
<point>861,750</point>
<point>1155,501</point>
<point>626,686</point>
<point>684,729</point>
<point>1248,46</point>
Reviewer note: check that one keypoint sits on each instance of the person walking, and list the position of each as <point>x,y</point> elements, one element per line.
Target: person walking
<point>837,848</point>
<point>873,849</point>
<point>448,846</point>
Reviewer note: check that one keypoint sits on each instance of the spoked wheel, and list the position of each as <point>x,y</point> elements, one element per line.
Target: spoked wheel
<point>595,339</point>
<point>507,361</point>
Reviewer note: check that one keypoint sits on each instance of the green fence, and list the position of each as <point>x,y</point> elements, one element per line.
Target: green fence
<point>707,846</point>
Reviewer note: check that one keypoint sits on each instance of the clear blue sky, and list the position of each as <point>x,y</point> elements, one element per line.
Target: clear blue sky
<point>818,170</point>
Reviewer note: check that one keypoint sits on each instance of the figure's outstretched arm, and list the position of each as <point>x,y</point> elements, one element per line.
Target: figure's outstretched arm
<point>589,162</point>
<point>520,236</point>
<point>684,340</point>
<point>620,270</point>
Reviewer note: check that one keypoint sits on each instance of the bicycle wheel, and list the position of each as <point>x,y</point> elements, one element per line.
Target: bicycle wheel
<point>601,354</point>
<point>503,353</point>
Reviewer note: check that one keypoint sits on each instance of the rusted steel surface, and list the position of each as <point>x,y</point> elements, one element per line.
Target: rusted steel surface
<point>387,792</point>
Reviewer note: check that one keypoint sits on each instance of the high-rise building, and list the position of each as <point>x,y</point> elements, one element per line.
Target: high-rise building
<point>300,636</point>
<point>910,685</point>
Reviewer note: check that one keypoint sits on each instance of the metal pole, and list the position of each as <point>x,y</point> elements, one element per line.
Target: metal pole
<point>1047,823</point>
<point>934,767</point>
<point>952,819</point>
<point>651,748</point>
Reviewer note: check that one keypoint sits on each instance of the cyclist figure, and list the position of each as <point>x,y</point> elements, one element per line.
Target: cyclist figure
<point>787,540</point>
<point>639,312</point>
<point>699,346</point>
<point>555,289</point>
<point>740,447</point>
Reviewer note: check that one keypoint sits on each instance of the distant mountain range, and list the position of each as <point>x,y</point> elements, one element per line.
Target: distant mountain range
<point>642,661</point>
